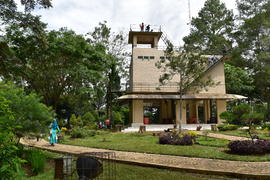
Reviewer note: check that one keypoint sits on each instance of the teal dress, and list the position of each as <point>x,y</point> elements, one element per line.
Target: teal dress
<point>54,129</point>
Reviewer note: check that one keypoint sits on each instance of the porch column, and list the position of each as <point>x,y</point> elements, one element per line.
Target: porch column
<point>206,110</point>
<point>221,107</point>
<point>177,111</point>
<point>137,111</point>
<point>196,110</point>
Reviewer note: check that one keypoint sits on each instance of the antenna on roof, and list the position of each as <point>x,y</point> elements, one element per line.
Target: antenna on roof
<point>189,15</point>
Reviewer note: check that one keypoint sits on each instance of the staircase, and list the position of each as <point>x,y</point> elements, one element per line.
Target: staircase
<point>165,39</point>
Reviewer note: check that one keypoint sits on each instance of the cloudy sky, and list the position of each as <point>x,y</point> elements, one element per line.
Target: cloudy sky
<point>83,15</point>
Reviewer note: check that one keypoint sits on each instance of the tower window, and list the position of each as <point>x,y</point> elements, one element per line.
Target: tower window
<point>145,57</point>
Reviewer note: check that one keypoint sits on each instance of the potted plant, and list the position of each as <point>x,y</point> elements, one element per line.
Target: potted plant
<point>146,119</point>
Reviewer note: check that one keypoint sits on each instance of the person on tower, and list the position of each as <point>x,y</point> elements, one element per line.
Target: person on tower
<point>142,26</point>
<point>147,28</point>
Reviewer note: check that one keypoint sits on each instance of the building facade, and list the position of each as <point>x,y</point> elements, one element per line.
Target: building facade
<point>161,104</point>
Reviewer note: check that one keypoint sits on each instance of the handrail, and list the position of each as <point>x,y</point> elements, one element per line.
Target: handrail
<point>153,28</point>
<point>163,48</point>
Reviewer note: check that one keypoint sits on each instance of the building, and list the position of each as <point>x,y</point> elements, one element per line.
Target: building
<point>147,98</point>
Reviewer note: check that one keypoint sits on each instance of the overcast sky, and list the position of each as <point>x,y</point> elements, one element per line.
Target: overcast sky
<point>83,15</point>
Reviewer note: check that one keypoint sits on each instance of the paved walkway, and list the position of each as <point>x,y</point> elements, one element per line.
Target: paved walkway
<point>258,170</point>
<point>223,136</point>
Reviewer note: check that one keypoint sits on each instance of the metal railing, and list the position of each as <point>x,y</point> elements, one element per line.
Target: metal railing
<point>153,28</point>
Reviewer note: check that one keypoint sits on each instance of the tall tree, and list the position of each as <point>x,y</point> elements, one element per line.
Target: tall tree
<point>254,44</point>
<point>211,31</point>
<point>61,63</point>
<point>9,13</point>
<point>116,63</point>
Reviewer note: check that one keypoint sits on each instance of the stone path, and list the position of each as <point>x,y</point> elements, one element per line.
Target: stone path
<point>258,170</point>
<point>223,136</point>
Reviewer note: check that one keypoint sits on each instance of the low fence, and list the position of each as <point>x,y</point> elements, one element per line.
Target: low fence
<point>86,166</point>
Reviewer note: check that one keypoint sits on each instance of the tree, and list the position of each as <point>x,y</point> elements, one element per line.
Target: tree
<point>211,31</point>
<point>63,64</point>
<point>29,115</point>
<point>115,61</point>
<point>253,45</point>
<point>238,81</point>
<point>9,160</point>
<point>189,67</point>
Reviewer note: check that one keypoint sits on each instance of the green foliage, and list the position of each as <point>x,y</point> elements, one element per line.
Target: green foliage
<point>252,118</point>
<point>75,121</point>
<point>227,127</point>
<point>191,133</point>
<point>238,81</point>
<point>82,133</point>
<point>117,118</point>
<point>68,64</point>
<point>238,112</point>
<point>228,116</point>
<point>252,51</point>
<point>10,163</point>
<point>115,63</point>
<point>211,31</point>
<point>88,119</point>
<point>125,115</point>
<point>37,160</point>
<point>30,115</point>
<point>266,126</point>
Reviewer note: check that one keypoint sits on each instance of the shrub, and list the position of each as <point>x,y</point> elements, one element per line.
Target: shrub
<point>227,127</point>
<point>91,133</point>
<point>37,160</point>
<point>91,127</point>
<point>191,133</point>
<point>30,115</point>
<point>266,126</point>
<point>88,119</point>
<point>78,133</point>
<point>75,121</point>
<point>82,133</point>
<point>248,147</point>
<point>117,118</point>
<point>186,140</point>
<point>228,116</point>
<point>168,138</point>
<point>175,139</point>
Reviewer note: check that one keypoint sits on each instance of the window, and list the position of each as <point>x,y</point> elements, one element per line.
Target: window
<point>162,57</point>
<point>140,57</point>
<point>152,57</point>
<point>145,57</point>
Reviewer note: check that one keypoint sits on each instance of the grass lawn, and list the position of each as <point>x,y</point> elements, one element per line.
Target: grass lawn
<point>263,134</point>
<point>147,143</point>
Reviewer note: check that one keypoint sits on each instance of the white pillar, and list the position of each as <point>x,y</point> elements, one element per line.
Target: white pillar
<point>221,107</point>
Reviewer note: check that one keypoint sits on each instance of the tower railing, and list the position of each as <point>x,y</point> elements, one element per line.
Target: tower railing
<point>153,28</point>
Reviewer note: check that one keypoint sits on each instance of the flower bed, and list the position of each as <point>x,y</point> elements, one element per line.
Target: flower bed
<point>248,147</point>
<point>176,139</point>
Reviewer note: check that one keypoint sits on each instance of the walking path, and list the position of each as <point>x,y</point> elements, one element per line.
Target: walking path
<point>223,136</point>
<point>254,170</point>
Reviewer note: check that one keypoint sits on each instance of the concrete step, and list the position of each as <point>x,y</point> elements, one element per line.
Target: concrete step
<point>162,127</point>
